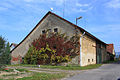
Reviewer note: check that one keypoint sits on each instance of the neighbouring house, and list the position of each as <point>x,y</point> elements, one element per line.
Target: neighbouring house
<point>92,50</point>
<point>111,51</point>
<point>101,54</point>
<point>12,46</point>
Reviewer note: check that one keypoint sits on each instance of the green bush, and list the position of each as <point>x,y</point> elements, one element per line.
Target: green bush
<point>52,49</point>
<point>47,55</point>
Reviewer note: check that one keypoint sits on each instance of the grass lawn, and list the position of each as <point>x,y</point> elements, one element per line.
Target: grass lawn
<point>69,67</point>
<point>10,75</point>
<point>8,70</point>
<point>23,70</point>
<point>41,76</point>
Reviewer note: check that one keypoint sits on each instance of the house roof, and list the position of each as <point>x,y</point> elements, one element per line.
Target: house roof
<point>63,20</point>
<point>110,48</point>
<point>13,44</point>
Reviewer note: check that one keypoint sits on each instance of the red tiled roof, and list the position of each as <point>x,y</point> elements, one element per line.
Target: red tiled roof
<point>110,48</point>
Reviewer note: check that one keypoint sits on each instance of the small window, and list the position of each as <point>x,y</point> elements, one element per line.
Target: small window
<point>88,60</point>
<point>92,60</point>
<point>56,30</point>
<point>43,31</point>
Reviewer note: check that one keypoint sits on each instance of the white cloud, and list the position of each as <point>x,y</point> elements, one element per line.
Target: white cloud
<point>57,2</point>
<point>113,4</point>
<point>82,10</point>
<point>82,5</point>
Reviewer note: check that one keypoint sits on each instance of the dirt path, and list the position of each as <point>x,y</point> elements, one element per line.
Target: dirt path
<point>52,71</point>
<point>10,75</point>
<point>48,70</point>
<point>105,72</point>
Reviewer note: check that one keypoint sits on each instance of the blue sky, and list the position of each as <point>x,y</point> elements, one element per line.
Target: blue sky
<point>100,17</point>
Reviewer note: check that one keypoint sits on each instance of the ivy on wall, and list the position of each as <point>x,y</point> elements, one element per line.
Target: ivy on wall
<point>52,48</point>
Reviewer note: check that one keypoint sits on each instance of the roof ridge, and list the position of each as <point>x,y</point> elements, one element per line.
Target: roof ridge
<point>49,12</point>
<point>77,27</point>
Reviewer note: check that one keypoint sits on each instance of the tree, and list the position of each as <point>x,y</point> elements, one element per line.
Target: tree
<point>2,48</point>
<point>4,51</point>
<point>6,56</point>
<point>2,44</point>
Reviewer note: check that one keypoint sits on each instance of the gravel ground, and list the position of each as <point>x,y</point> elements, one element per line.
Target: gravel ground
<point>105,72</point>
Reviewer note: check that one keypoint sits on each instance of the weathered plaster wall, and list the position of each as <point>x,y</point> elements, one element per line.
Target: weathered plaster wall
<point>50,22</point>
<point>88,51</point>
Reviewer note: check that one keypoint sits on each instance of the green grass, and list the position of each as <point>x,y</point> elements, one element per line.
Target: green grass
<point>42,76</point>
<point>69,67</point>
<point>10,75</point>
<point>24,65</point>
<point>7,79</point>
<point>9,70</point>
<point>22,70</point>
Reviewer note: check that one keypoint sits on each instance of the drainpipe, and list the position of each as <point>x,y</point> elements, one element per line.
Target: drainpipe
<point>81,48</point>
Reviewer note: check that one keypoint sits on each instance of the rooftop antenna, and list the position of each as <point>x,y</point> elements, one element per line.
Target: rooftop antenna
<point>51,9</point>
<point>64,8</point>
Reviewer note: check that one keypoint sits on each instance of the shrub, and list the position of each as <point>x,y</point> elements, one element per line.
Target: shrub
<point>52,48</point>
<point>30,57</point>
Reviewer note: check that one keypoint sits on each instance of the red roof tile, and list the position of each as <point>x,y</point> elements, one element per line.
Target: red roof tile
<point>110,48</point>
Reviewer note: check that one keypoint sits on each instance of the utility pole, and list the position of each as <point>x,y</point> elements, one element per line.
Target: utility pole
<point>78,19</point>
<point>80,59</point>
<point>76,23</point>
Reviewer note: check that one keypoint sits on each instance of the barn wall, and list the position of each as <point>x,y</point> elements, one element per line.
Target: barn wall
<point>88,51</point>
<point>50,22</point>
<point>88,48</point>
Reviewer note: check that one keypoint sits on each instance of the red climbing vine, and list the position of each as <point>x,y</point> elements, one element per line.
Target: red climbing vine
<point>64,47</point>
